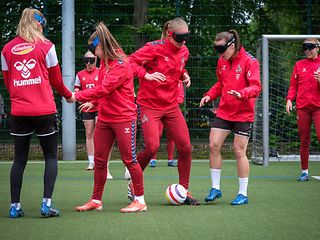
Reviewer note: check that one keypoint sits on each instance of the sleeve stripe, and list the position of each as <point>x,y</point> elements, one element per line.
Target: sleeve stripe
<point>51,58</point>
<point>4,64</point>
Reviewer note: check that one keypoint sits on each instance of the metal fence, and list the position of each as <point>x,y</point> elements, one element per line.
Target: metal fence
<point>134,22</point>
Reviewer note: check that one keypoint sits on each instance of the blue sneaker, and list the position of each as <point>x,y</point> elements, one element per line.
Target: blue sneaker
<point>240,200</point>
<point>49,211</point>
<point>304,177</point>
<point>15,213</point>
<point>213,195</point>
<point>153,163</point>
<point>172,163</point>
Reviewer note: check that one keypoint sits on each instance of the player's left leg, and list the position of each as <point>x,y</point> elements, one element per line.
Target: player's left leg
<point>240,147</point>
<point>177,128</point>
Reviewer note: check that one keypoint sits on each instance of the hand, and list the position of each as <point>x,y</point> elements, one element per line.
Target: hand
<point>72,99</point>
<point>87,105</point>
<point>204,100</point>
<point>156,76</point>
<point>289,107</point>
<point>316,75</point>
<point>186,79</point>
<point>235,93</point>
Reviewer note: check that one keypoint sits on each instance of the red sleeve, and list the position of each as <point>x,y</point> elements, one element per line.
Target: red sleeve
<point>253,78</point>
<point>293,87</point>
<point>111,81</point>
<point>181,92</point>
<point>141,57</point>
<point>56,81</point>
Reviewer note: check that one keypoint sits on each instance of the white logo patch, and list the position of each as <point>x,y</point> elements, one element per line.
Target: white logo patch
<point>25,66</point>
<point>126,130</point>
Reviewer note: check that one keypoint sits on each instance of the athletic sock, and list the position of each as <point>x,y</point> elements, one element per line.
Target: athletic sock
<point>96,201</point>
<point>91,158</point>
<point>305,171</point>
<point>140,199</point>
<point>16,205</point>
<point>243,185</point>
<point>215,178</point>
<point>47,201</point>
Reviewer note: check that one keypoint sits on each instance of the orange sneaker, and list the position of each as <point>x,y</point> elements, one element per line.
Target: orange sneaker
<point>90,205</point>
<point>135,206</point>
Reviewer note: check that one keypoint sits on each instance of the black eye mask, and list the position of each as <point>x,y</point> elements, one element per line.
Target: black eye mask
<point>180,37</point>
<point>90,60</point>
<point>222,48</point>
<point>309,46</point>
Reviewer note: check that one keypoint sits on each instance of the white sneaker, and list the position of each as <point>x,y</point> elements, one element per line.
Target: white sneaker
<point>90,166</point>
<point>127,175</point>
<point>109,176</point>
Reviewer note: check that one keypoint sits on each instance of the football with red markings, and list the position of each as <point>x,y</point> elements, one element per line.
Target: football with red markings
<point>176,194</point>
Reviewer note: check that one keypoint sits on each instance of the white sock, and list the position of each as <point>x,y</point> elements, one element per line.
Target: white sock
<point>47,201</point>
<point>305,171</point>
<point>91,158</point>
<point>215,178</point>
<point>17,205</point>
<point>96,201</point>
<point>243,185</point>
<point>140,199</point>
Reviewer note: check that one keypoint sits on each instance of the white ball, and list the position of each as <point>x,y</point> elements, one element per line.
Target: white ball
<point>176,194</point>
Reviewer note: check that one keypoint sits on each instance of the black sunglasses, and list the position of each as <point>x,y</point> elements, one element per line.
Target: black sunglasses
<point>222,48</point>
<point>89,60</point>
<point>180,37</point>
<point>309,46</point>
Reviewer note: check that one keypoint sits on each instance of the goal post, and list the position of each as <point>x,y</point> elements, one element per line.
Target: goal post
<point>265,104</point>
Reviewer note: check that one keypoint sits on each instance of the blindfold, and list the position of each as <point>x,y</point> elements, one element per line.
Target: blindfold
<point>92,46</point>
<point>89,60</point>
<point>222,48</point>
<point>40,19</point>
<point>181,37</point>
<point>309,46</point>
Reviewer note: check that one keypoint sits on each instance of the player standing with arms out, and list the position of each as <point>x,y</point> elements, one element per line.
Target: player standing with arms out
<point>88,78</point>
<point>305,88</point>
<point>30,67</point>
<point>116,118</point>
<point>159,65</point>
<point>238,86</point>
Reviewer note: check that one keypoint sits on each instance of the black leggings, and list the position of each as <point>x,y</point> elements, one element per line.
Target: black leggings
<point>49,145</point>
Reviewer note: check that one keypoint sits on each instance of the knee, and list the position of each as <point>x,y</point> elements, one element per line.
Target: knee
<point>185,148</point>
<point>214,147</point>
<point>239,152</point>
<point>152,148</point>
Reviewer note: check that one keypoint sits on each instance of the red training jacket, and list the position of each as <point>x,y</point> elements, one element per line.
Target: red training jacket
<point>164,57</point>
<point>115,93</point>
<point>303,85</point>
<point>85,80</point>
<point>29,71</point>
<point>241,74</point>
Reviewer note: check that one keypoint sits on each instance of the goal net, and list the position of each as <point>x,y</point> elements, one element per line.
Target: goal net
<point>275,134</point>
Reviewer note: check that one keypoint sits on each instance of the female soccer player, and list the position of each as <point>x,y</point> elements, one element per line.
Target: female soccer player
<point>305,87</point>
<point>30,67</point>
<point>159,65</point>
<point>238,86</point>
<point>88,78</point>
<point>116,118</point>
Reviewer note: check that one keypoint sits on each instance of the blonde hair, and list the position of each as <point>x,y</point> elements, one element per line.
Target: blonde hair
<point>314,40</point>
<point>228,36</point>
<point>110,47</point>
<point>28,28</point>
<point>172,25</point>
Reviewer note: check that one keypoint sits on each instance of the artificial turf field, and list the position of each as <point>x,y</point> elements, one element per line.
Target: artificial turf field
<point>279,206</point>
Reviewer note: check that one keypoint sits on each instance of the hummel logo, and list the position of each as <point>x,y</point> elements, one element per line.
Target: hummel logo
<point>166,59</point>
<point>126,130</point>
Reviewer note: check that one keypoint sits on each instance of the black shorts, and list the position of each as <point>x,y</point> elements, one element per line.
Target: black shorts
<point>238,128</point>
<point>85,116</point>
<point>43,125</point>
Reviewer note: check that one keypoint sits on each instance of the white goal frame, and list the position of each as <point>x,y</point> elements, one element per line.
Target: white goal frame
<point>265,86</point>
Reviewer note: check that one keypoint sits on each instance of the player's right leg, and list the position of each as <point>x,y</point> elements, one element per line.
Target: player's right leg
<point>22,132</point>
<point>103,141</point>
<point>89,125</point>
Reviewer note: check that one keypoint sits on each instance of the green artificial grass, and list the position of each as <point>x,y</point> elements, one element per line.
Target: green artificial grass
<point>279,206</point>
